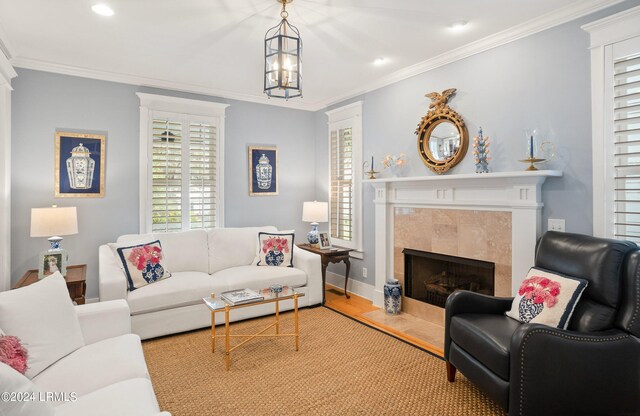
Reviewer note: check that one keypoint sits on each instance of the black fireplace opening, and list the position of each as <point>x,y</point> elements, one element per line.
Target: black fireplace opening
<point>432,277</point>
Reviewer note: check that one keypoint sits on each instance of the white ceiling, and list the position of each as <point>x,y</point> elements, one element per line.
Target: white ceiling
<point>216,46</point>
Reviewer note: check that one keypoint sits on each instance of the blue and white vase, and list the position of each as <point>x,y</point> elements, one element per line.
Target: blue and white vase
<point>264,172</point>
<point>274,258</point>
<point>528,309</point>
<point>152,272</point>
<point>392,297</point>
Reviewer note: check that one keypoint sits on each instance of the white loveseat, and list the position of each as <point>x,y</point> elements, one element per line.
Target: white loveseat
<point>201,262</point>
<point>83,360</point>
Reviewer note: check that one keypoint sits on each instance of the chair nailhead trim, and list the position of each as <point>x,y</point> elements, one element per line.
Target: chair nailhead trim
<point>565,336</point>
<point>637,306</point>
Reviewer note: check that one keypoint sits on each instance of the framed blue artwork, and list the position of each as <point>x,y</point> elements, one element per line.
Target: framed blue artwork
<point>263,170</point>
<point>79,165</point>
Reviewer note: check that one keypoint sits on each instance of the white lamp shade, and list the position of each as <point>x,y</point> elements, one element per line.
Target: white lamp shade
<point>54,221</point>
<point>315,211</point>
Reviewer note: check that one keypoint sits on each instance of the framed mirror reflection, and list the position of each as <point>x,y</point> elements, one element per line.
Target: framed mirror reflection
<point>443,138</point>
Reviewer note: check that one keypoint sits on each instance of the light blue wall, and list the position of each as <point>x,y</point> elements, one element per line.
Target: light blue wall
<point>44,102</point>
<point>540,81</point>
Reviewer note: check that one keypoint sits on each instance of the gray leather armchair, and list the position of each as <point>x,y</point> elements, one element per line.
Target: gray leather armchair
<point>592,368</point>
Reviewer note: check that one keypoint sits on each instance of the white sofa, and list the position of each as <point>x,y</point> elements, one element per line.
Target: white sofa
<point>201,262</point>
<point>104,374</point>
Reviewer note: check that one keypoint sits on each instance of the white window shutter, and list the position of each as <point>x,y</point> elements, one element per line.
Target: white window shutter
<point>626,150</point>
<point>342,186</point>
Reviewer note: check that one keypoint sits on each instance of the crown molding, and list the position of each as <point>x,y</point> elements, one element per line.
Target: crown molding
<point>615,28</point>
<point>533,26</point>
<point>39,65</point>
<point>563,15</point>
<point>6,70</point>
<point>5,44</point>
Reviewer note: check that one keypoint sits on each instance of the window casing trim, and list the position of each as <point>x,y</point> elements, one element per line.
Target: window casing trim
<point>605,33</point>
<point>340,118</point>
<point>152,105</point>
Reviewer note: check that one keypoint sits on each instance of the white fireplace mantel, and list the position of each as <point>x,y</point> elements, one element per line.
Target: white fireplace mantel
<point>515,192</point>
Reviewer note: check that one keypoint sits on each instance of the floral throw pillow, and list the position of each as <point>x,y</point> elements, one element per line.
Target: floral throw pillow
<point>275,249</point>
<point>142,264</point>
<point>13,353</point>
<point>547,298</point>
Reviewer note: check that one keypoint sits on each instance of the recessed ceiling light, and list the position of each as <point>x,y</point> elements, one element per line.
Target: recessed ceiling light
<point>379,61</point>
<point>102,10</point>
<point>458,26</point>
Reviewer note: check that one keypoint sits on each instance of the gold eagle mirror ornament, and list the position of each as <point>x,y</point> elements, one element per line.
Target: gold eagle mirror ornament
<point>442,135</point>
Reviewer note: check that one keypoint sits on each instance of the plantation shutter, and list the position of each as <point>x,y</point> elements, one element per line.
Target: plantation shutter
<point>183,174</point>
<point>342,184</point>
<point>627,148</point>
<point>202,175</point>
<point>166,170</point>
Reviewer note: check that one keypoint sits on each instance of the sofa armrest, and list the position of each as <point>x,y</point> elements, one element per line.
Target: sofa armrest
<point>103,320</point>
<point>112,280</point>
<point>310,264</point>
<point>596,372</point>
<point>464,301</point>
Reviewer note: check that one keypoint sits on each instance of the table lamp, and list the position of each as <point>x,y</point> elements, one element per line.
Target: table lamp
<point>53,222</point>
<point>314,212</point>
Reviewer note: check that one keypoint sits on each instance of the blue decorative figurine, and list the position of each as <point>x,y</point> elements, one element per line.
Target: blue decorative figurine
<point>481,152</point>
<point>392,297</point>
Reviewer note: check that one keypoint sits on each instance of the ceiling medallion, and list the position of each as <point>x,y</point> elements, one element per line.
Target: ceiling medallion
<point>283,58</point>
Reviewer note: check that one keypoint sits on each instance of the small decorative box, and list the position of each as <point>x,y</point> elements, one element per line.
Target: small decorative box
<point>276,288</point>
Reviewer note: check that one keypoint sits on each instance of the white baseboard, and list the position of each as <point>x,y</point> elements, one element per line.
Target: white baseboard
<point>355,286</point>
<point>92,300</point>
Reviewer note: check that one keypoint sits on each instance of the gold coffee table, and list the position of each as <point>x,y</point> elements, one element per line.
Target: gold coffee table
<point>218,304</point>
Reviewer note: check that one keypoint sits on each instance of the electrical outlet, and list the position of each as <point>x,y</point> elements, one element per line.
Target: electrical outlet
<point>555,225</point>
<point>364,272</point>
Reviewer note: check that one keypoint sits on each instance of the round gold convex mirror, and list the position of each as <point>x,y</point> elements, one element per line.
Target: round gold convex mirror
<point>442,135</point>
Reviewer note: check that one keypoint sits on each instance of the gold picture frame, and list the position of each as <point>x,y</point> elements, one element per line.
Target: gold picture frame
<point>263,170</point>
<point>79,167</point>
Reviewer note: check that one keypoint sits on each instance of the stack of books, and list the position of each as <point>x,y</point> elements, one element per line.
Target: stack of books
<point>240,296</point>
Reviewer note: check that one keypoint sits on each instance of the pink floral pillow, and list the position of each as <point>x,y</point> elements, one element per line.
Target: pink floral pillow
<point>547,298</point>
<point>13,354</point>
<point>275,249</point>
<point>142,264</point>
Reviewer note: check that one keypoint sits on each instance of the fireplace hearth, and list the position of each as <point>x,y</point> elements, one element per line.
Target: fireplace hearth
<point>432,277</point>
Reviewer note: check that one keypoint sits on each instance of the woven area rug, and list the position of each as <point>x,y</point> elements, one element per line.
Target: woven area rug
<point>342,368</point>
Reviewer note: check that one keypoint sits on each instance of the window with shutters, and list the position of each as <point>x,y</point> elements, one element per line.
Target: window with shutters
<point>181,164</point>
<point>345,173</point>
<point>615,100</point>
<point>626,148</point>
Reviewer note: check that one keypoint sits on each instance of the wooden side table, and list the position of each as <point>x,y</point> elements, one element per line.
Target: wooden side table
<point>76,279</point>
<point>331,256</point>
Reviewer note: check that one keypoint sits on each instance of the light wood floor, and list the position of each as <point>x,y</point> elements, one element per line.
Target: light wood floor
<point>358,308</point>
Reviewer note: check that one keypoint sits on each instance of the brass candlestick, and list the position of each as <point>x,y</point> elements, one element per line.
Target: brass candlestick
<point>371,173</point>
<point>531,161</point>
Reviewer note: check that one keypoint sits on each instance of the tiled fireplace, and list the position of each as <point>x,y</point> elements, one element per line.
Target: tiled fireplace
<point>492,218</point>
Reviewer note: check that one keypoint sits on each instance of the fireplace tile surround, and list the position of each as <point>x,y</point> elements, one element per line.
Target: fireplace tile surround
<point>493,217</point>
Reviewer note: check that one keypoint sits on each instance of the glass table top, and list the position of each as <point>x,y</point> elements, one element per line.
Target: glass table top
<point>218,303</point>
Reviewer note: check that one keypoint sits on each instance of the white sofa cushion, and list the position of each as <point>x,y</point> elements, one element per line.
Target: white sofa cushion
<point>47,303</point>
<point>13,382</point>
<point>134,397</point>
<point>256,278</point>
<point>184,250</point>
<point>183,289</point>
<point>230,247</point>
<point>96,366</point>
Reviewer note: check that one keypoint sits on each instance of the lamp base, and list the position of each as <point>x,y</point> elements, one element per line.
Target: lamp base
<point>312,236</point>
<point>55,242</point>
